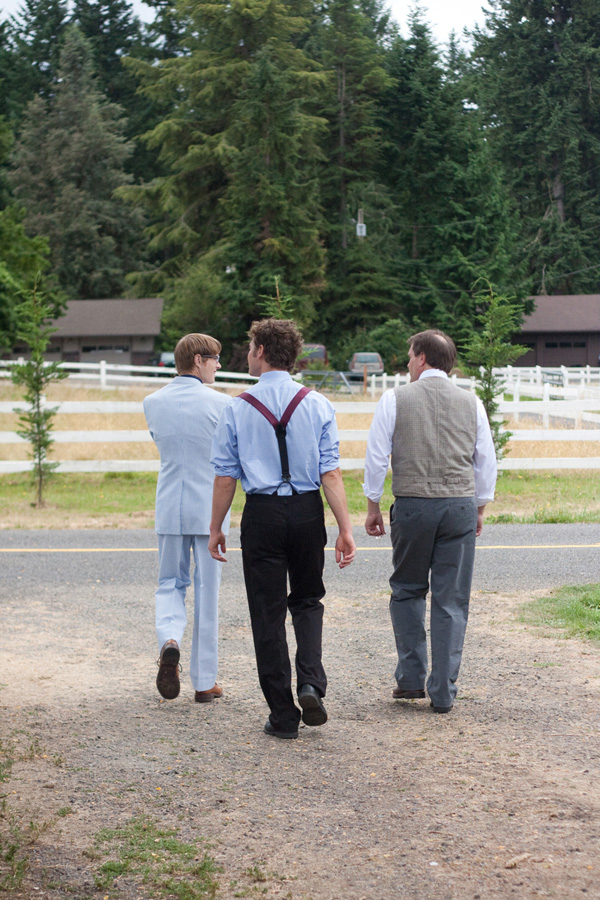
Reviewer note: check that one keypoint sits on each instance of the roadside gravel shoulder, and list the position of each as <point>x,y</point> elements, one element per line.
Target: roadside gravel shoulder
<point>387,801</point>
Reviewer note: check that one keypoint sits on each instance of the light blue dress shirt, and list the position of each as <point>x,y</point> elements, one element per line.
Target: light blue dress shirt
<point>245,446</point>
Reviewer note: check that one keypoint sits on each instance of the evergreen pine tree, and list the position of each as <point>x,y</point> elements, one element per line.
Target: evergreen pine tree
<point>115,35</point>
<point>23,260</point>
<point>67,166</point>
<point>35,375</point>
<point>537,83</point>
<point>36,35</point>
<point>454,220</point>
<point>238,205</point>
<point>360,289</point>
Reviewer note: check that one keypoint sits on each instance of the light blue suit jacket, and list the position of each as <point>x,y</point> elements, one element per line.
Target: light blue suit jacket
<point>182,417</point>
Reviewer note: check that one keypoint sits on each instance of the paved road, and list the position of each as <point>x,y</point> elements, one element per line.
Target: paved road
<point>508,558</point>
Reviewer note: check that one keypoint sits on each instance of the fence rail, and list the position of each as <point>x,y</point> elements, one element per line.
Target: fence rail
<point>576,410</point>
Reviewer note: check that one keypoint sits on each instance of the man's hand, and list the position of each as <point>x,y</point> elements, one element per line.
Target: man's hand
<point>374,521</point>
<point>217,546</point>
<point>374,524</point>
<point>223,491</point>
<point>345,549</point>
<point>479,529</point>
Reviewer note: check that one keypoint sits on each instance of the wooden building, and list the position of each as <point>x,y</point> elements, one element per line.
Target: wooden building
<point>563,330</point>
<point>118,331</point>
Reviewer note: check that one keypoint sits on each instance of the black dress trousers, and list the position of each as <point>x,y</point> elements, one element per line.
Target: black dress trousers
<point>285,537</point>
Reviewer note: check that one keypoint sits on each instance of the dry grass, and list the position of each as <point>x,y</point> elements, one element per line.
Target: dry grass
<point>127,421</point>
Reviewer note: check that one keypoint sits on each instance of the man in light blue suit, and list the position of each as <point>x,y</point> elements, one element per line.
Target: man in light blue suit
<point>182,418</point>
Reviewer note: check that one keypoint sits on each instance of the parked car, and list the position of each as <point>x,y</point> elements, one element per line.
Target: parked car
<point>314,355</point>
<point>166,359</point>
<point>358,361</point>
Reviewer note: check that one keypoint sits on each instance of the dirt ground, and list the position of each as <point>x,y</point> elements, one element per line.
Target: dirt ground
<point>387,801</point>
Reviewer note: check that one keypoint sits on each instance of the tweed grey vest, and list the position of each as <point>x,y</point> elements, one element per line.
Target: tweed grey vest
<point>434,440</point>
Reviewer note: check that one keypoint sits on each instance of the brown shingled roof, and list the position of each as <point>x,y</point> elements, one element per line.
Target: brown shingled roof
<point>89,318</point>
<point>564,312</point>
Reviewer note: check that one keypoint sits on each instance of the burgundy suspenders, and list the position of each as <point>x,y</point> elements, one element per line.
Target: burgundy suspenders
<point>279,426</point>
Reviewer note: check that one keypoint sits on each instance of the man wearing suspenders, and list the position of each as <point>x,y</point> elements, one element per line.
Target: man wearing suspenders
<point>281,441</point>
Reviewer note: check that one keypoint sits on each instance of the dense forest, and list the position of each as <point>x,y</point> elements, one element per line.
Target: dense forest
<point>233,144</point>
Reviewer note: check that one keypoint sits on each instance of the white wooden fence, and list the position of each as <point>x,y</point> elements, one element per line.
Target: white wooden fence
<point>570,396</point>
<point>574,410</point>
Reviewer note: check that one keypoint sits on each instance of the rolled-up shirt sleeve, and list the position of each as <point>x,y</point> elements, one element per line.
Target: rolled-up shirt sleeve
<point>485,466</point>
<point>379,446</point>
<point>225,458</point>
<point>329,446</point>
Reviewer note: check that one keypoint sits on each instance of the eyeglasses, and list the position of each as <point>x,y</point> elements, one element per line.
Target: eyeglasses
<point>206,356</point>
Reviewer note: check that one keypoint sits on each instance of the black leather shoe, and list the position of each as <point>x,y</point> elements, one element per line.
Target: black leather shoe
<point>400,694</point>
<point>440,709</point>
<point>313,711</point>
<point>286,735</point>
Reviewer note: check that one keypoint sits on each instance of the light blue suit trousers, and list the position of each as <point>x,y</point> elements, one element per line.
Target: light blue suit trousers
<point>174,554</point>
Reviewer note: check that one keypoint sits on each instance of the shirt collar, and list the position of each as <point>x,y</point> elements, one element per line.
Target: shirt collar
<point>275,375</point>
<point>429,373</point>
<point>189,375</point>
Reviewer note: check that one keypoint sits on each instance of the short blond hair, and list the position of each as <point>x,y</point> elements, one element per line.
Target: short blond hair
<point>191,344</point>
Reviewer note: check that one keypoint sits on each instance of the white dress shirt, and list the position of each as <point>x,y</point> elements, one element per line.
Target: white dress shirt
<point>379,448</point>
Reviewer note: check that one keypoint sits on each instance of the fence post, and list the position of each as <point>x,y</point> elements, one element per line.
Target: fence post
<point>516,398</point>
<point>397,380</point>
<point>384,383</point>
<point>373,380</point>
<point>102,374</point>
<point>538,374</point>
<point>565,375</point>
<point>546,399</point>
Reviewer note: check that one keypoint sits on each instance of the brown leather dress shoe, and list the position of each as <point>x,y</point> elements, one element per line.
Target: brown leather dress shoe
<point>208,696</point>
<point>399,694</point>
<point>167,680</point>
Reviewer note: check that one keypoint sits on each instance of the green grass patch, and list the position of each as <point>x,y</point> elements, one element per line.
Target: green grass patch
<point>545,498</point>
<point>521,497</point>
<point>574,611</point>
<point>122,493</point>
<point>140,853</point>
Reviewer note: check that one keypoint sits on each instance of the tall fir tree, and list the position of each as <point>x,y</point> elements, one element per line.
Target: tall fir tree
<point>23,260</point>
<point>537,81</point>
<point>238,206</point>
<point>454,221</point>
<point>35,39</point>
<point>117,35</point>
<point>360,289</point>
<point>66,168</point>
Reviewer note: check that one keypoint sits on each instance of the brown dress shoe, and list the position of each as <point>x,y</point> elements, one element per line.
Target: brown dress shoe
<point>167,680</point>
<point>208,696</point>
<point>399,694</point>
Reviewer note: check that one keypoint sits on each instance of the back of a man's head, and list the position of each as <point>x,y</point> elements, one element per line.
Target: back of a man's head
<point>438,347</point>
<point>191,344</point>
<point>281,340</point>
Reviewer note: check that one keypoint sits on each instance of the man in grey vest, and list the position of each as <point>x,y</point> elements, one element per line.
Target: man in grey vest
<point>443,474</point>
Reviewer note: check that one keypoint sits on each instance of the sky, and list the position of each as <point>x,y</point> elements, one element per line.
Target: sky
<point>441,15</point>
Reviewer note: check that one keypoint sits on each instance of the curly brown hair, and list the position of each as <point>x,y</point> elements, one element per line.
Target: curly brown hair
<point>281,339</point>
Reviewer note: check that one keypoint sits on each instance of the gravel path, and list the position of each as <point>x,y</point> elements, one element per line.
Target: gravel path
<point>387,801</point>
